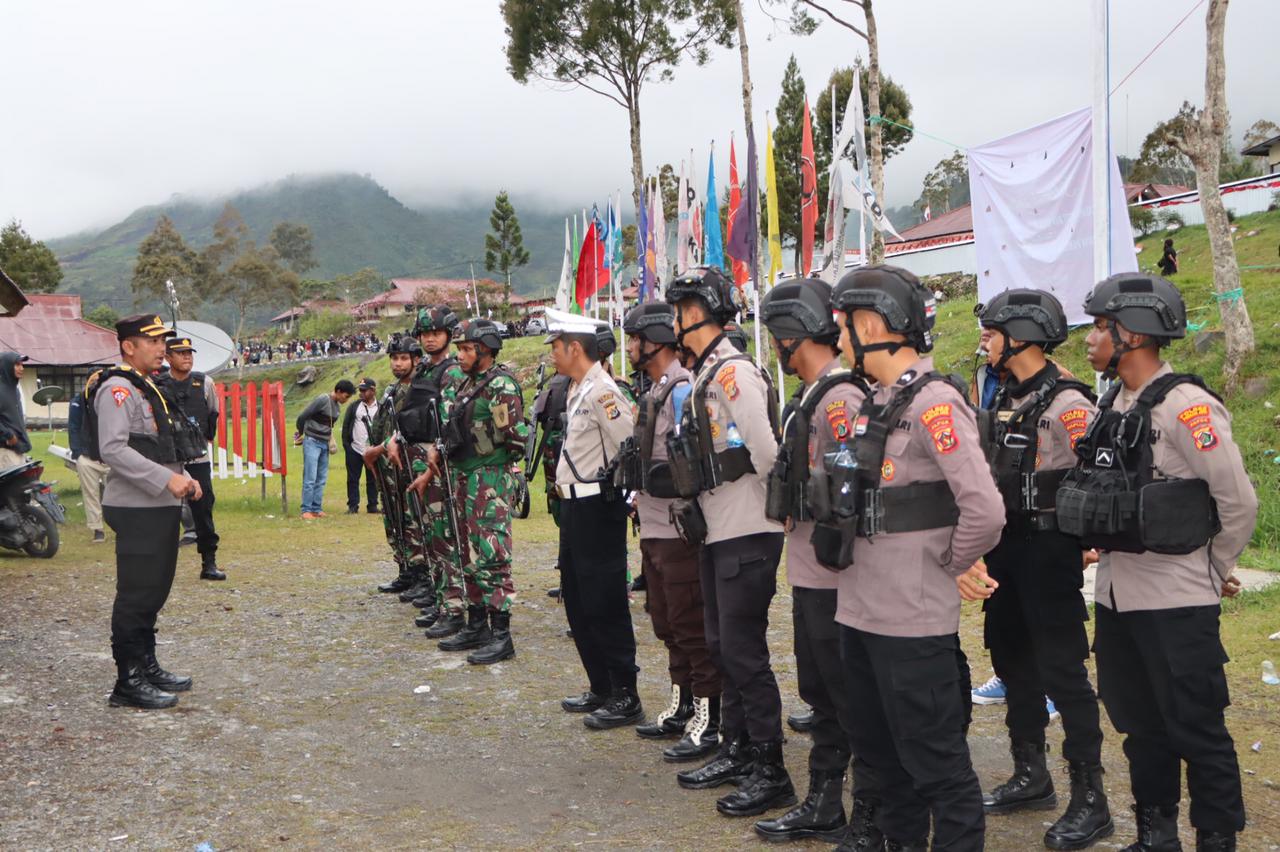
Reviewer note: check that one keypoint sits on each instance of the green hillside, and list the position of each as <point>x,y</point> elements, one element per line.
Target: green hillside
<point>355,221</point>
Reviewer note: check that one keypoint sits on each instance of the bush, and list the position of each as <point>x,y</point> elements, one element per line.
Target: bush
<point>1172,220</point>
<point>1142,220</point>
<point>103,315</point>
<point>325,324</point>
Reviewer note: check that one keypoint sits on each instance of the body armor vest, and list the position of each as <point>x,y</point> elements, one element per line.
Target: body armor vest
<point>176,440</point>
<point>637,471</point>
<point>1112,499</point>
<point>188,396</point>
<point>419,418</point>
<point>459,432</point>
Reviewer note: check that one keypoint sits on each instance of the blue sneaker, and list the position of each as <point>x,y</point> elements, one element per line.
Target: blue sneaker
<point>991,692</point>
<point>1054,715</point>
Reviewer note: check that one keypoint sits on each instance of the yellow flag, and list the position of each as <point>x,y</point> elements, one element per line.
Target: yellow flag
<point>771,202</point>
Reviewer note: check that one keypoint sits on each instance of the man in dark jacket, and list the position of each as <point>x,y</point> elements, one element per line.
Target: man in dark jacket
<point>14,444</point>
<point>355,440</point>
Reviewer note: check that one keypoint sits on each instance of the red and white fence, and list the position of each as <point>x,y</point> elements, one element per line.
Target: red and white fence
<point>252,434</point>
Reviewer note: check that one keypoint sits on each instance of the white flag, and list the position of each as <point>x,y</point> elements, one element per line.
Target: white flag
<point>854,193</point>
<point>833,233</point>
<point>854,125</point>
<point>682,224</point>
<point>659,225</point>
<point>568,278</point>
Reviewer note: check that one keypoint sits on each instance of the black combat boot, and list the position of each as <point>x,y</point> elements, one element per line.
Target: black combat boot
<point>475,635</point>
<point>420,588</point>
<point>447,624</point>
<point>1030,788</point>
<point>821,814</point>
<point>584,703</point>
<point>132,688</point>
<point>399,584</point>
<point>672,719</point>
<point>906,845</point>
<point>429,616</point>
<point>768,785</point>
<point>1157,829</point>
<point>1087,818</point>
<point>209,567</point>
<point>701,733</point>
<point>156,676</point>
<point>1213,841</point>
<point>801,723</point>
<point>622,708</point>
<point>862,834</point>
<point>731,765</point>
<point>501,647</point>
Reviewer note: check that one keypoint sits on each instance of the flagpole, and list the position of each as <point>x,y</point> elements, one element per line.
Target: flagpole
<point>475,291</point>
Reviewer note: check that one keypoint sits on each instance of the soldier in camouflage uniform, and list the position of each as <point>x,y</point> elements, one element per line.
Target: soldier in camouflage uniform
<point>484,437</point>
<point>400,526</point>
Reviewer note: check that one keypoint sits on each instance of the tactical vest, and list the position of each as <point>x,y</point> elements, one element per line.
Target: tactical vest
<point>160,447</point>
<point>460,439</point>
<point>1112,499</point>
<point>188,395</point>
<point>1011,441</point>
<point>549,415</point>
<point>637,471</point>
<point>419,418</point>
<point>695,465</point>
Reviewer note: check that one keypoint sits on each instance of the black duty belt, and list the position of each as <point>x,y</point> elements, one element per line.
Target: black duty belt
<point>908,508</point>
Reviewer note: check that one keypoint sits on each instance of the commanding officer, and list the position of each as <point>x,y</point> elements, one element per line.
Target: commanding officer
<point>485,435</point>
<point>196,398</point>
<point>404,353</point>
<point>130,429</point>
<point>819,424</point>
<point>929,509</point>
<point>669,566</point>
<point>1162,441</point>
<point>1035,622</point>
<point>726,449</point>
<point>421,423</point>
<point>593,527</point>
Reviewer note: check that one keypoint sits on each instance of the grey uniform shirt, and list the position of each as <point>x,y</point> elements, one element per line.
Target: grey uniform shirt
<point>598,419</point>
<point>736,397</point>
<point>655,517</point>
<point>903,584</point>
<point>134,482</point>
<point>1191,439</point>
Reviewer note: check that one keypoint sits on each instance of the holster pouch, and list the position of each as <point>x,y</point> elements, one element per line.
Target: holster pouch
<point>819,496</point>
<point>629,473</point>
<point>779,494</point>
<point>685,460</point>
<point>658,481</point>
<point>833,544</point>
<point>686,516</point>
<point>188,441</point>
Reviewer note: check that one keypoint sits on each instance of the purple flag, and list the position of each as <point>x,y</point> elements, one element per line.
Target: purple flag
<point>745,234</point>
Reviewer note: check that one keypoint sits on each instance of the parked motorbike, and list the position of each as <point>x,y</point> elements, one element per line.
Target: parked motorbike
<point>29,511</point>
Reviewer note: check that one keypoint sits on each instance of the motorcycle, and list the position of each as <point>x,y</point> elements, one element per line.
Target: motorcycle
<point>29,511</point>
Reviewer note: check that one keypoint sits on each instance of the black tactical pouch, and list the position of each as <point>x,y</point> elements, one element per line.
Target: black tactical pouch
<point>686,516</point>
<point>188,441</point>
<point>1097,507</point>
<point>685,460</point>
<point>778,497</point>
<point>819,496</point>
<point>1176,516</point>
<point>417,425</point>
<point>456,439</point>
<point>833,544</point>
<point>658,481</point>
<point>628,475</point>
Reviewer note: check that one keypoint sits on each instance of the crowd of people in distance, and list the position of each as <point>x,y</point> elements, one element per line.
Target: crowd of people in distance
<point>263,352</point>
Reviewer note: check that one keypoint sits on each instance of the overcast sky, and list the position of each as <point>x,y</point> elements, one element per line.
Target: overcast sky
<point>111,106</point>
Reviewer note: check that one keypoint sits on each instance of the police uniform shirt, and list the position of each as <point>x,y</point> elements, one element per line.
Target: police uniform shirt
<point>655,519</point>
<point>736,396</point>
<point>134,481</point>
<point>599,420</point>
<point>1191,439</point>
<point>830,428</point>
<point>903,584</point>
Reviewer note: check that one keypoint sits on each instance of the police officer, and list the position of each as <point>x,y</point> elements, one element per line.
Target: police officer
<point>1162,441</point>
<point>195,397</point>
<point>593,517</point>
<point>671,567</point>
<point>131,430</point>
<point>728,441</point>
<point>928,510</point>
<point>818,423</point>
<point>1035,621</point>
<point>484,436</point>
<point>397,520</point>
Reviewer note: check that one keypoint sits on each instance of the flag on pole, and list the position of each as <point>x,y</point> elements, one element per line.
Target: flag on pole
<point>682,222</point>
<point>651,248</point>
<point>576,242</point>
<point>771,205</point>
<point>659,220</point>
<point>833,231</point>
<point>744,234</point>
<point>567,269</point>
<point>590,261</point>
<point>713,254</point>
<point>855,124</point>
<point>857,191</point>
<point>808,194</point>
<point>642,240</point>
<point>735,202</point>
<point>928,213</point>
<point>606,259</point>
<point>695,234</point>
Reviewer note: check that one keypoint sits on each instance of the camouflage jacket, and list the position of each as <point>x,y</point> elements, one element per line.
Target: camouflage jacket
<point>494,409</point>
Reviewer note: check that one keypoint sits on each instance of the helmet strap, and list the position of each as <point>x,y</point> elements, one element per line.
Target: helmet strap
<point>1009,351</point>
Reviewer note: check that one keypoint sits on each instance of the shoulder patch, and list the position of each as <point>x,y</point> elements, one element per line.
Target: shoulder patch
<point>1076,422</point>
<point>120,394</point>
<point>938,420</point>
<point>1197,419</point>
<point>838,419</point>
<point>727,378</point>
<point>887,470</point>
<point>610,404</point>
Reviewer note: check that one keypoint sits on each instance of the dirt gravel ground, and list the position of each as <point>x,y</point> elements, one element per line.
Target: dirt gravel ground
<point>305,729</point>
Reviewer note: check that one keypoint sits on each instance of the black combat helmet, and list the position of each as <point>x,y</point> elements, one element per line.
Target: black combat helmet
<point>654,321</point>
<point>606,343</point>
<point>482,331</point>
<point>800,309</point>
<point>404,344</point>
<point>735,335</point>
<point>710,285</point>
<point>1144,304</point>
<point>435,318</point>
<point>908,308</point>
<point>1034,317</point>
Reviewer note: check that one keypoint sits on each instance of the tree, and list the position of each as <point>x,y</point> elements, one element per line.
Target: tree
<point>787,134</point>
<point>30,263</point>
<point>504,248</point>
<point>163,256</point>
<point>293,243</point>
<point>1142,220</point>
<point>104,315</point>
<point>946,186</point>
<point>1199,135</point>
<point>234,271</point>
<point>669,186</point>
<point>1260,131</point>
<point>613,49</point>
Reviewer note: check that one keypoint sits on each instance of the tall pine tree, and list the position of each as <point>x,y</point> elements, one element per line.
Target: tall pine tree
<point>29,263</point>
<point>504,248</point>
<point>164,256</point>
<point>786,152</point>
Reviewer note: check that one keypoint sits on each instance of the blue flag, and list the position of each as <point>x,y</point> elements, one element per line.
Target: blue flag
<point>642,240</point>
<point>713,253</point>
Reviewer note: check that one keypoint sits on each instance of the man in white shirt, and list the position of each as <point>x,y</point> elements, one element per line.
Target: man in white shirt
<point>355,440</point>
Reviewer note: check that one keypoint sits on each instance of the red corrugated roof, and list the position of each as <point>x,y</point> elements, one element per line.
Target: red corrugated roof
<point>51,332</point>
<point>957,221</point>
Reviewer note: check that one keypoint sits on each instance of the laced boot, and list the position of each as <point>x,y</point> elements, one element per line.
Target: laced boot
<point>209,567</point>
<point>399,584</point>
<point>731,764</point>
<point>821,814</point>
<point>862,834</point>
<point>132,688</point>
<point>673,718</point>
<point>1087,818</point>
<point>1157,829</point>
<point>1030,788</point>
<point>768,785</point>
<point>475,635</point>
<point>447,624</point>
<point>1213,841</point>
<point>701,733</point>
<point>906,845</point>
<point>420,587</point>
<point>622,708</point>
<point>427,617</point>
<point>156,676</point>
<point>501,647</point>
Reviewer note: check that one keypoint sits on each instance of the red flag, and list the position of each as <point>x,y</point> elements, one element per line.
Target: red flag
<point>735,201</point>
<point>591,271</point>
<point>808,195</point>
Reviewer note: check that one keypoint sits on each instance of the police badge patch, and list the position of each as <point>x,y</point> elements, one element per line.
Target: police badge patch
<point>120,395</point>
<point>1076,422</point>
<point>838,419</point>
<point>937,419</point>
<point>727,380</point>
<point>1197,419</point>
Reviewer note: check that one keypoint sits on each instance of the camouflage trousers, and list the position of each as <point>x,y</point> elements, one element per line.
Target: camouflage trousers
<point>484,497</point>
<point>438,537</point>
<point>400,521</point>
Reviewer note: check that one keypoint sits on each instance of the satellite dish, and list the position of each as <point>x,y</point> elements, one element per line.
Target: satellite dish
<point>48,394</point>
<point>213,346</point>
